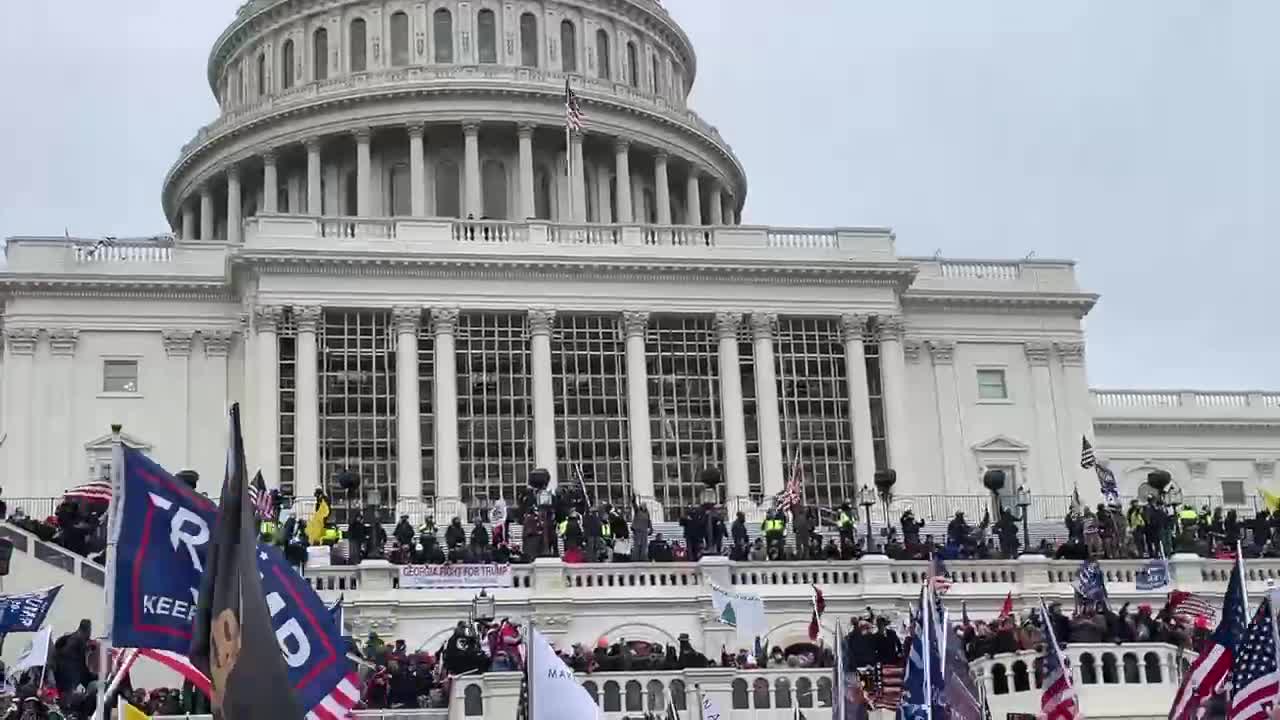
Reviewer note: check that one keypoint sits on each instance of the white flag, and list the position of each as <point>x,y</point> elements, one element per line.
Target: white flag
<point>711,711</point>
<point>556,692</point>
<point>36,653</point>
<point>744,611</point>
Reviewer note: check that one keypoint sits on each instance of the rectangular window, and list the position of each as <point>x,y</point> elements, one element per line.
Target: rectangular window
<point>1233,492</point>
<point>120,376</point>
<point>991,385</point>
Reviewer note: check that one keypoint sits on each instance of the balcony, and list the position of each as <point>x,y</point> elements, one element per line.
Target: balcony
<point>1172,407</point>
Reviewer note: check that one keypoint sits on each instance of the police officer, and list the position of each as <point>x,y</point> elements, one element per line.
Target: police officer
<point>775,528</point>
<point>845,523</point>
<point>331,535</point>
<point>267,530</point>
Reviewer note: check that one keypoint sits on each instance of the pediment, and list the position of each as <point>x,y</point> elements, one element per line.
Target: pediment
<point>1001,443</point>
<point>104,443</point>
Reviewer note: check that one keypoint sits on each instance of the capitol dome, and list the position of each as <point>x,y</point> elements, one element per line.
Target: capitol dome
<point>453,108</point>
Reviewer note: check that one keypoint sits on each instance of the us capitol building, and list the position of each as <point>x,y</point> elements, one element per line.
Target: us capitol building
<point>387,248</point>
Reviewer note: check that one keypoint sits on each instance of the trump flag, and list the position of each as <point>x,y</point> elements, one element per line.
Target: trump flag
<point>164,534</point>
<point>25,612</point>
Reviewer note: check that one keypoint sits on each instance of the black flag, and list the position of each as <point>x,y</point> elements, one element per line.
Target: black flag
<point>232,640</point>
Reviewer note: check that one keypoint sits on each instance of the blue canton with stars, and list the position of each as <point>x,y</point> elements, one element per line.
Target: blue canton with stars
<point>1256,657</point>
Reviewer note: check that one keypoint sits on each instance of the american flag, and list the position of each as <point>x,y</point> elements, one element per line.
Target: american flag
<point>259,498</point>
<point>1210,669</point>
<point>938,575</point>
<point>573,116</point>
<point>1255,679</point>
<point>1189,606</point>
<point>790,496</point>
<point>1058,700</point>
<point>1087,458</point>
<point>98,491</point>
<point>1106,478</point>
<point>886,686</point>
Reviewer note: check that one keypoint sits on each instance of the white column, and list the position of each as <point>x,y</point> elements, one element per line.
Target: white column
<point>62,442</point>
<point>270,183</point>
<point>233,205</point>
<point>661,188</point>
<point>541,322</point>
<point>735,432</point>
<point>248,361</point>
<point>474,204</point>
<point>20,421</point>
<point>1076,418</point>
<point>214,391</point>
<point>206,212</point>
<point>444,320</point>
<point>622,168</point>
<point>893,369</point>
<point>306,403</point>
<point>177,347</point>
<point>364,173</point>
<point>855,361</point>
<point>188,221</point>
<point>603,189</point>
<point>955,478</point>
<point>693,198</point>
<point>1046,454</point>
<point>315,199</point>
<point>727,212</point>
<point>635,322</point>
<point>716,204</point>
<point>771,460</point>
<point>408,408</point>
<point>266,319</point>
<point>578,186</point>
<point>417,175</point>
<point>524,134</point>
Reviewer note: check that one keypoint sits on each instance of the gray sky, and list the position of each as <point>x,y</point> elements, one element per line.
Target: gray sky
<point>1130,136</point>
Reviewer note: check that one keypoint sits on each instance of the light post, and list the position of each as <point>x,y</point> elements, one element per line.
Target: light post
<point>1024,502</point>
<point>993,480</point>
<point>867,498</point>
<point>885,480</point>
<point>483,607</point>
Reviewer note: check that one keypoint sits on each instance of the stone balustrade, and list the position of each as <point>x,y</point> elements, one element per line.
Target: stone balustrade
<point>131,258</point>
<point>1185,405</point>
<point>1029,275</point>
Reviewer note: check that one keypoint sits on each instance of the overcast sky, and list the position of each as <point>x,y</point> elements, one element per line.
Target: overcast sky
<point>1131,136</point>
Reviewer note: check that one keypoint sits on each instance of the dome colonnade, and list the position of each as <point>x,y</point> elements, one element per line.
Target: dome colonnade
<point>452,108</point>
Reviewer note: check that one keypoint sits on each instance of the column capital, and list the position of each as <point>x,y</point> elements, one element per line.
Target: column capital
<point>541,321</point>
<point>764,325</point>
<point>362,135</point>
<point>216,343</point>
<point>407,319</point>
<point>695,172</point>
<point>661,156</point>
<point>177,343</point>
<point>1070,353</point>
<point>575,136</point>
<point>22,341</point>
<point>943,351</point>
<point>890,327</point>
<point>470,127</point>
<point>63,341</point>
<point>233,172</point>
<point>635,322</point>
<point>307,317</point>
<point>853,326</point>
<point>206,190</point>
<point>728,323</point>
<point>621,145</point>
<point>1037,353</point>
<point>269,156</point>
<point>525,130</point>
<point>313,143</point>
<point>911,350</point>
<point>266,318</point>
<point>416,130</point>
<point>444,320</point>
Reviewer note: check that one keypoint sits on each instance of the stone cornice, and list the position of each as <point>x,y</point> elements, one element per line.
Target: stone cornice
<point>964,300</point>
<point>114,287</point>
<point>1181,424</point>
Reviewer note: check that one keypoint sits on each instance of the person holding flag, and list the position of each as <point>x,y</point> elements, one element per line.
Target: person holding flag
<point>1210,669</point>
<point>1058,700</point>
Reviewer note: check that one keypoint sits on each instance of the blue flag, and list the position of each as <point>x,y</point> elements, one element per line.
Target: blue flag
<point>1089,582</point>
<point>1153,575</point>
<point>164,533</point>
<point>924,684</point>
<point>25,612</point>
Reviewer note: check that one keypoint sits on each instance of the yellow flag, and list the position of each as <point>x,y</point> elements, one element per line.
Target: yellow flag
<point>1272,501</point>
<point>129,712</point>
<point>315,526</point>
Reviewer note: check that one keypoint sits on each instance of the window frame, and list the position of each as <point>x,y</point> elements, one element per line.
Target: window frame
<point>979,371</point>
<point>352,46</point>
<point>1243,496</point>
<point>568,50</point>
<point>401,54</point>
<point>288,52</point>
<point>320,55</point>
<point>529,47</point>
<point>442,42</point>
<point>604,55</point>
<point>481,57</point>
<point>107,360</point>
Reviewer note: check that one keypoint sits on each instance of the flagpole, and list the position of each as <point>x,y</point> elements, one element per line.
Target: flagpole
<point>702,707</point>
<point>1067,670</point>
<point>1244,585</point>
<point>528,667</point>
<point>837,711</point>
<point>926,621</point>
<point>113,536</point>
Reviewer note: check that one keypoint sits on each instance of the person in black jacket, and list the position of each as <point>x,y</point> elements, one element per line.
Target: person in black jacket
<point>456,535</point>
<point>403,531</point>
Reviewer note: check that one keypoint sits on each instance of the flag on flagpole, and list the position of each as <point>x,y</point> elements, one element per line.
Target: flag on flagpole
<point>556,693</point>
<point>1006,608</point>
<point>1210,669</point>
<point>1188,607</point>
<point>1087,457</point>
<point>96,491</point>
<point>1255,677</point>
<point>710,710</point>
<point>25,612</point>
<point>1106,478</point>
<point>573,115</point>
<point>791,494</point>
<point>259,498</point>
<point>232,640</point>
<point>819,606</point>
<point>1058,700</point>
<point>744,611</point>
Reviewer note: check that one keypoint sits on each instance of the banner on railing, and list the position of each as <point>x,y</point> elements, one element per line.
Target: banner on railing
<point>429,577</point>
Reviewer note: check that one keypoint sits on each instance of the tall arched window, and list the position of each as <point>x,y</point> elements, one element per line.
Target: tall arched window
<point>401,201</point>
<point>320,54</point>
<point>568,47</point>
<point>262,74</point>
<point>529,40</point>
<point>442,32</point>
<point>448,193</point>
<point>633,65</point>
<point>286,65</point>
<point>493,179</point>
<point>602,54</point>
<point>487,36</point>
<point>657,75</point>
<point>359,51</point>
<point>399,39</point>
